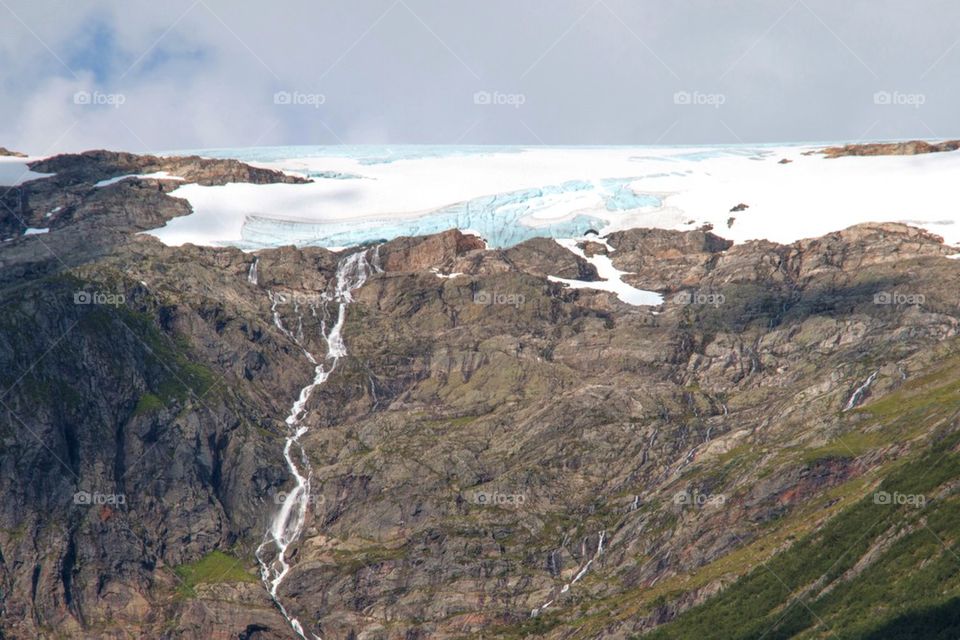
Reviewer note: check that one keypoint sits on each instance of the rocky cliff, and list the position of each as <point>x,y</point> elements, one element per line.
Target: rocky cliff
<point>911,148</point>
<point>496,455</point>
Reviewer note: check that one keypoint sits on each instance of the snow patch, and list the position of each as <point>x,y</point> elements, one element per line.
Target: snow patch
<point>445,276</point>
<point>157,175</point>
<point>610,277</point>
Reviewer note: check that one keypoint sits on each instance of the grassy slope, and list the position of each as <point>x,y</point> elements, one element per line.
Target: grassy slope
<point>857,569</point>
<point>915,567</point>
<point>874,570</point>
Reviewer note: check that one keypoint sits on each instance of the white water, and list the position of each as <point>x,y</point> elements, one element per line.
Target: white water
<point>580,574</point>
<point>288,523</point>
<point>858,393</point>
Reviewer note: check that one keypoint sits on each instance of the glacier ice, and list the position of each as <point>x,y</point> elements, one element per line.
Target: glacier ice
<point>502,219</point>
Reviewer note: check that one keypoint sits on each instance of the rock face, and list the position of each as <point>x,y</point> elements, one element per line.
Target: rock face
<point>498,455</point>
<point>421,254</point>
<point>99,218</point>
<point>912,148</point>
<point>93,166</point>
<point>15,154</point>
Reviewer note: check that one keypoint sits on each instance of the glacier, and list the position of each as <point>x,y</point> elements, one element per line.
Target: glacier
<point>500,219</point>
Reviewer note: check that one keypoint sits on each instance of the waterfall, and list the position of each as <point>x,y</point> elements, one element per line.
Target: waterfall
<point>580,574</point>
<point>287,524</point>
<point>859,392</point>
<point>252,274</point>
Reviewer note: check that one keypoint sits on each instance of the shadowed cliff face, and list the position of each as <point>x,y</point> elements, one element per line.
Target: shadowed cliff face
<point>497,455</point>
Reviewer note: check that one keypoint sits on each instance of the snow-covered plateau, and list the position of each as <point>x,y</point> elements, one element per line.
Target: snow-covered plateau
<point>509,194</point>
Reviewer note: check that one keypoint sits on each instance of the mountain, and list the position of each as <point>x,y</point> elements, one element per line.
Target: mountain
<point>491,443</point>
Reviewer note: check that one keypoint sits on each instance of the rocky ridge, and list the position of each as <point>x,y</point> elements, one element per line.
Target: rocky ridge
<point>911,148</point>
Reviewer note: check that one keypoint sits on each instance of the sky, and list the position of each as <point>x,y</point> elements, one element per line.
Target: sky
<point>191,74</point>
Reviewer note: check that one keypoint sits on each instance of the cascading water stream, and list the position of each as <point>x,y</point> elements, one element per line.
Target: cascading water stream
<point>576,578</point>
<point>859,392</point>
<point>287,524</point>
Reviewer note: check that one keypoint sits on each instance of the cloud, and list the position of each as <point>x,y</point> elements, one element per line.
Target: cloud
<point>204,73</point>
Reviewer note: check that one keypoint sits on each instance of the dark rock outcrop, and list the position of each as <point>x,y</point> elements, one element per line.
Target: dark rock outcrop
<point>94,166</point>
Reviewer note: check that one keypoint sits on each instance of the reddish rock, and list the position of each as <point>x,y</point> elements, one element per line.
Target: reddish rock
<point>423,253</point>
<point>911,148</point>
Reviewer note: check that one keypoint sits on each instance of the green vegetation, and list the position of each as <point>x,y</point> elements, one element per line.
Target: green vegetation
<point>214,568</point>
<point>172,375</point>
<point>849,445</point>
<point>641,601</point>
<point>178,375</point>
<point>914,401</point>
<point>913,566</point>
<point>934,623</point>
<point>898,417</point>
<point>147,403</point>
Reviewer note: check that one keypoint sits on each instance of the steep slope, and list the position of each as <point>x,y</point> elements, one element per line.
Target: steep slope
<point>484,460</point>
<point>495,454</point>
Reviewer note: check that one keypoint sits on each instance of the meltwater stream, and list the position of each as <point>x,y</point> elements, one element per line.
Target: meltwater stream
<point>288,523</point>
